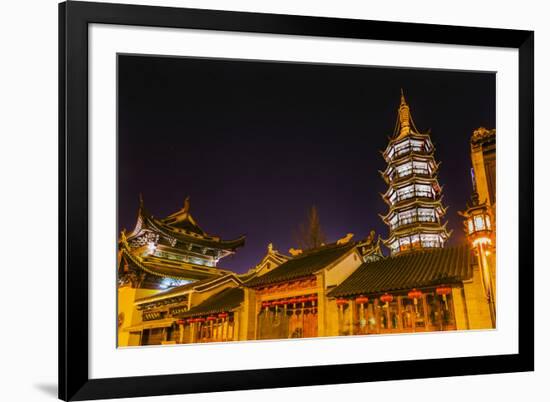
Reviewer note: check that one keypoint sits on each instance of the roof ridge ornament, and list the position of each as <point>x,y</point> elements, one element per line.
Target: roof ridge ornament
<point>187,204</point>
<point>345,240</point>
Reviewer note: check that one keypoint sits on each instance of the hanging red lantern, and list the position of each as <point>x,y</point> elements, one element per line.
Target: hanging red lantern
<point>443,290</point>
<point>303,299</point>
<point>386,298</point>
<point>415,294</point>
<point>361,299</point>
<point>211,318</point>
<point>312,299</point>
<point>341,302</point>
<point>266,304</point>
<point>223,315</point>
<point>180,322</point>
<point>200,319</point>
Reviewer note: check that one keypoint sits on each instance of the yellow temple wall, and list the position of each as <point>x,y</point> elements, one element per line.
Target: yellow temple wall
<point>328,310</point>
<point>246,319</point>
<point>478,312</point>
<point>479,171</point>
<point>126,298</point>
<point>342,269</point>
<point>460,309</point>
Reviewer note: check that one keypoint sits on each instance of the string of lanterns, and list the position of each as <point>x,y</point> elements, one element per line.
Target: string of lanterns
<point>292,301</point>
<point>211,318</point>
<point>387,298</point>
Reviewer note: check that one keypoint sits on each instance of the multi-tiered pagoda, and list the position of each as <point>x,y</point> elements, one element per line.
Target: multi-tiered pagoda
<point>162,253</point>
<point>414,195</point>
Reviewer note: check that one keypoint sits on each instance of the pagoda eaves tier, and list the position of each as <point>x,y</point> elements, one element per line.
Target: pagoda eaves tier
<point>173,248</point>
<point>414,196</point>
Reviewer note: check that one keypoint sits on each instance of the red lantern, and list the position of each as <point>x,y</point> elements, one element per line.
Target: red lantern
<point>200,319</point>
<point>361,299</point>
<point>293,301</point>
<point>415,295</point>
<point>211,318</point>
<point>180,322</point>
<point>312,299</point>
<point>341,302</point>
<point>386,298</point>
<point>443,290</point>
<point>266,304</point>
<point>222,315</point>
<point>303,299</point>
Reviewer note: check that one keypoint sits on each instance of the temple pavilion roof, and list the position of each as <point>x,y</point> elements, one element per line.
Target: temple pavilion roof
<point>407,271</point>
<point>226,300</point>
<point>165,268</point>
<point>303,265</point>
<point>181,227</point>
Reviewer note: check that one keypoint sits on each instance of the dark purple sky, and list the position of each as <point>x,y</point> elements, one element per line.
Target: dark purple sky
<point>255,144</point>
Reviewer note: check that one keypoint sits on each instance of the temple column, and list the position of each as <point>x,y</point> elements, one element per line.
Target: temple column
<point>322,305</point>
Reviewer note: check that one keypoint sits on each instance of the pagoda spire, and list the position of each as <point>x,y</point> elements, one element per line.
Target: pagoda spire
<point>404,117</point>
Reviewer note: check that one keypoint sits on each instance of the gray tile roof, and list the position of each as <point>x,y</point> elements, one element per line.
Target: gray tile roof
<point>414,270</point>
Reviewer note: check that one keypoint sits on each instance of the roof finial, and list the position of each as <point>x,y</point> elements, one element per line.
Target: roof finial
<point>186,204</point>
<point>140,199</point>
<point>404,116</point>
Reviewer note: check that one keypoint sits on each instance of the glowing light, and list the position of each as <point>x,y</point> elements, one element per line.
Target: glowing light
<point>151,247</point>
<point>481,241</point>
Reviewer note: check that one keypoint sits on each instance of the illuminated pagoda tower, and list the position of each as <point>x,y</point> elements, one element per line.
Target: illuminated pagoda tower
<point>163,253</point>
<point>414,195</point>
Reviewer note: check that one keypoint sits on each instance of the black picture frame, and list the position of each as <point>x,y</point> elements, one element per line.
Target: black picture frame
<point>74,381</point>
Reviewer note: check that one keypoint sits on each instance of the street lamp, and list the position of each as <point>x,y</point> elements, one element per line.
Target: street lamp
<point>478,226</point>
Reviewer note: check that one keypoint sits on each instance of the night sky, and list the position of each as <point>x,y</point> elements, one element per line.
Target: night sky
<point>255,144</point>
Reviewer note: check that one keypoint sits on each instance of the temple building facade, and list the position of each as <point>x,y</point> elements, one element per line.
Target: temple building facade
<point>161,254</point>
<point>171,290</point>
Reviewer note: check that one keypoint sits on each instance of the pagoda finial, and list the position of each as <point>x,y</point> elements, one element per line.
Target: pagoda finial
<point>140,199</point>
<point>404,117</point>
<point>186,204</point>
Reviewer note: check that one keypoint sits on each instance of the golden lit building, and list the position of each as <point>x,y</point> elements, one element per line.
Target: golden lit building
<point>160,254</point>
<point>207,310</point>
<point>480,222</point>
<point>171,290</point>
<point>290,301</point>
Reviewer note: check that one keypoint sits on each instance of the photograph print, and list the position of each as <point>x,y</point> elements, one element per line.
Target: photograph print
<point>266,200</point>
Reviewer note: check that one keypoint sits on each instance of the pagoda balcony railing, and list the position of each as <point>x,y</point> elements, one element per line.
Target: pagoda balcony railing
<point>411,220</point>
<point>407,150</point>
<point>409,172</point>
<point>412,194</point>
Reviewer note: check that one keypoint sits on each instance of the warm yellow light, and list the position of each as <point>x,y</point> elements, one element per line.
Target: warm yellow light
<point>481,241</point>
<point>487,253</point>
